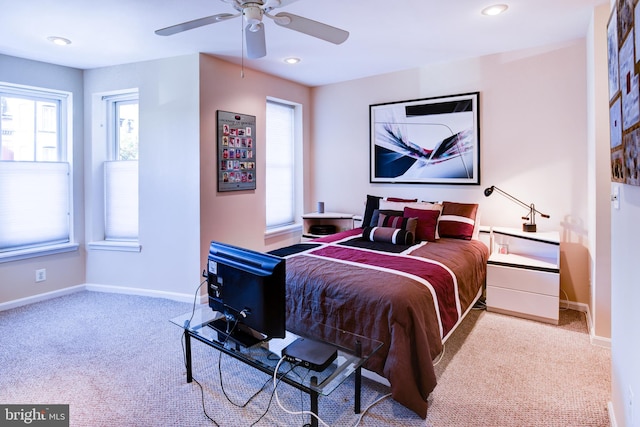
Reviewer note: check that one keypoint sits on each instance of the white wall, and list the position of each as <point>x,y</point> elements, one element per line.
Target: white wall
<point>533,137</point>
<point>17,278</point>
<point>625,316</point>
<point>169,178</point>
<point>625,294</point>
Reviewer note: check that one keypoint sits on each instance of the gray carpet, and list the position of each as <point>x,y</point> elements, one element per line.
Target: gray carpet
<point>118,361</point>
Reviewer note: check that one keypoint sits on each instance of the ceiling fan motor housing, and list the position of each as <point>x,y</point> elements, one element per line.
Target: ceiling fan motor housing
<point>252,14</point>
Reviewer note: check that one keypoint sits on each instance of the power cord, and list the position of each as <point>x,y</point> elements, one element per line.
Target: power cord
<point>369,407</point>
<point>187,325</point>
<point>275,390</point>
<point>272,394</point>
<point>444,346</point>
<point>566,298</point>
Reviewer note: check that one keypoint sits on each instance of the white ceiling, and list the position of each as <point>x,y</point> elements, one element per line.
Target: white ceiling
<point>385,35</point>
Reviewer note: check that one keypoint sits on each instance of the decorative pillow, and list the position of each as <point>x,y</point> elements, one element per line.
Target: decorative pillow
<point>425,206</point>
<point>373,203</point>
<point>398,221</point>
<point>457,220</point>
<point>397,236</point>
<point>399,206</point>
<point>399,199</point>
<point>427,222</point>
<point>376,216</point>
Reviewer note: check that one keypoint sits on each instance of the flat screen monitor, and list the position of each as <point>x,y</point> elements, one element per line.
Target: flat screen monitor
<point>248,287</point>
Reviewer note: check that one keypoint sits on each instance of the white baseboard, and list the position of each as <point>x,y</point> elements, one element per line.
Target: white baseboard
<point>175,296</point>
<point>594,339</point>
<point>40,297</point>
<point>612,415</point>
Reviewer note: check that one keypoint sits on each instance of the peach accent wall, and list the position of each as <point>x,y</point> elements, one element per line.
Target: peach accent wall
<point>238,217</point>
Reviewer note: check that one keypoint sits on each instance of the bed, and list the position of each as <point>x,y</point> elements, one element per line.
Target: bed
<point>408,293</point>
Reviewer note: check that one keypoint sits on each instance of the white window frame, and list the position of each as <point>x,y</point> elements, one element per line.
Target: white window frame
<point>104,144</point>
<point>296,224</point>
<point>64,154</point>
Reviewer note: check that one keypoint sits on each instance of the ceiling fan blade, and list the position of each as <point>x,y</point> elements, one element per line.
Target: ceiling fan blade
<point>313,28</point>
<point>195,24</point>
<point>256,46</point>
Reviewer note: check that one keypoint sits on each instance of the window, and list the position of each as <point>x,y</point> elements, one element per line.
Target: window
<point>280,165</point>
<point>121,168</point>
<point>35,172</point>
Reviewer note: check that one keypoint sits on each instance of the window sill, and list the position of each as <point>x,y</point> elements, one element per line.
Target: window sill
<point>109,245</point>
<point>280,231</point>
<point>38,252</point>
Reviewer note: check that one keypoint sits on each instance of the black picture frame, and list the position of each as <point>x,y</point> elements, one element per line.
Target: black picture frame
<point>236,166</point>
<point>426,141</point>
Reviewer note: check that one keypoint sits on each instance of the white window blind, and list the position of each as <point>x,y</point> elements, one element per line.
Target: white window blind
<point>121,200</point>
<point>34,204</point>
<point>280,172</point>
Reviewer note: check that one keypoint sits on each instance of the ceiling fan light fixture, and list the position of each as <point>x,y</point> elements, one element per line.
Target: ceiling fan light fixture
<point>60,41</point>
<point>254,28</point>
<point>495,9</point>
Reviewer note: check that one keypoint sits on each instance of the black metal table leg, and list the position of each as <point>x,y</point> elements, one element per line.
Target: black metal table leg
<point>358,380</point>
<point>187,350</point>
<point>314,401</point>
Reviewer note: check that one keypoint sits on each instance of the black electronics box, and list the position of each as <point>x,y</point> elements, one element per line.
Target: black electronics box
<point>322,229</point>
<point>311,354</point>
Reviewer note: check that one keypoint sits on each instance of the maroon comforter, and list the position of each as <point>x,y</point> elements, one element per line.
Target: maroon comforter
<point>409,301</point>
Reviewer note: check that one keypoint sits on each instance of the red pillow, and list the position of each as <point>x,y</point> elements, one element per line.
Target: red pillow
<point>427,222</point>
<point>458,220</point>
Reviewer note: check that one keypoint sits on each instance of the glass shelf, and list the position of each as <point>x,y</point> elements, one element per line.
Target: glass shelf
<point>353,351</point>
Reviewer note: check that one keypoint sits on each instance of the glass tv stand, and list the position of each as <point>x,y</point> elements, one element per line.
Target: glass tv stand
<point>353,352</point>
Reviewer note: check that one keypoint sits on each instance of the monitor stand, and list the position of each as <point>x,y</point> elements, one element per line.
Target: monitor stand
<point>240,334</point>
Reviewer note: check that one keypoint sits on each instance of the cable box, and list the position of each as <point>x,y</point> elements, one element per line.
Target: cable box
<point>311,354</point>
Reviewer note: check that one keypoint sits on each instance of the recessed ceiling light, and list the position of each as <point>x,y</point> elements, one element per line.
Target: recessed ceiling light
<point>60,41</point>
<point>496,9</point>
<point>292,60</point>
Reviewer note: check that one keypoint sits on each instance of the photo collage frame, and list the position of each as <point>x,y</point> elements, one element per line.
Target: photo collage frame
<point>236,151</point>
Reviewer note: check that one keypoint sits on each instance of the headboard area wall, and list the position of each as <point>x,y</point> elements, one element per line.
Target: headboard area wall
<point>531,144</point>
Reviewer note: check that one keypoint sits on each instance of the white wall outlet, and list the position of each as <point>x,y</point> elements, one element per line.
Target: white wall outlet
<point>41,275</point>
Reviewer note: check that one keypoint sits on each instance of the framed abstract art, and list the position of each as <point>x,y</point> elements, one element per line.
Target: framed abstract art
<point>426,141</point>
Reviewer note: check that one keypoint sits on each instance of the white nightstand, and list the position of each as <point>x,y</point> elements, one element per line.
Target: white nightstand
<point>341,222</point>
<point>523,274</point>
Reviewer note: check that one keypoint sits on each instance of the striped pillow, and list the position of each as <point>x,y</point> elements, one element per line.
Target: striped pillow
<point>457,220</point>
<point>397,236</point>
<point>398,221</point>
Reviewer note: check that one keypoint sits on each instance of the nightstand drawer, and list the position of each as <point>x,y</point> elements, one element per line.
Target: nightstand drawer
<point>523,304</point>
<point>534,281</point>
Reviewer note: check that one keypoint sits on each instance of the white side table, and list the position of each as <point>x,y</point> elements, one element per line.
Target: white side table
<point>341,222</point>
<point>523,274</point>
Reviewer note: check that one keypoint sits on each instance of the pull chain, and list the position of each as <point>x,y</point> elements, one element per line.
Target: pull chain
<point>242,39</point>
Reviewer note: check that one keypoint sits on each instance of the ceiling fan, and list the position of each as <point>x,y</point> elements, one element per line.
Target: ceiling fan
<point>253,11</point>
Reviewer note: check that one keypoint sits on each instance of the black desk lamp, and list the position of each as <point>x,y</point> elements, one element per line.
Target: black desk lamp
<point>527,226</point>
